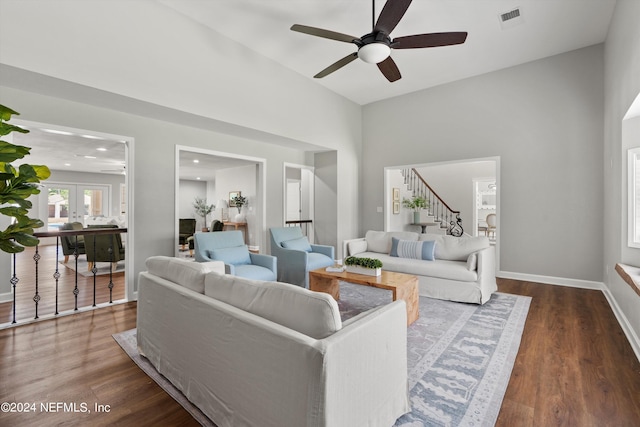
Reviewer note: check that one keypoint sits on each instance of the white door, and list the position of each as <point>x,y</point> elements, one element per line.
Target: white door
<point>75,203</point>
<point>293,200</point>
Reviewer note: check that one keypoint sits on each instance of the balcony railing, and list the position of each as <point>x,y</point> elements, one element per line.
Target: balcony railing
<point>36,280</point>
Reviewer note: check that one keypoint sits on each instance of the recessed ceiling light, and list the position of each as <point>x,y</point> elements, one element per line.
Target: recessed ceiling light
<point>101,149</point>
<point>196,161</point>
<point>89,157</point>
<point>198,178</point>
<point>58,132</point>
<point>91,137</point>
<point>67,164</point>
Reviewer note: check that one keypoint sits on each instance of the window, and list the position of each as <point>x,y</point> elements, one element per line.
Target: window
<point>633,162</point>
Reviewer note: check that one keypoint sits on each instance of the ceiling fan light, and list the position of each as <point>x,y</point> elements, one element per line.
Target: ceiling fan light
<point>374,53</point>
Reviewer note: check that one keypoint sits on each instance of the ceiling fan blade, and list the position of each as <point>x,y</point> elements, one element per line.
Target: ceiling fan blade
<point>390,69</point>
<point>391,14</point>
<point>429,40</point>
<point>319,32</point>
<point>336,65</point>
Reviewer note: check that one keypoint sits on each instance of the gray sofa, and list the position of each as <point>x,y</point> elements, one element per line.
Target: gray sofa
<point>258,353</point>
<point>463,268</point>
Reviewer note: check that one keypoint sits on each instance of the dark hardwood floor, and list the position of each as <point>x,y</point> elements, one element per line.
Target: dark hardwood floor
<point>575,367</point>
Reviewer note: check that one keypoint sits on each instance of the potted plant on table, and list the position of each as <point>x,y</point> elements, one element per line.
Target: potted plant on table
<point>16,186</point>
<point>203,209</point>
<point>239,201</point>
<point>368,266</point>
<point>416,203</point>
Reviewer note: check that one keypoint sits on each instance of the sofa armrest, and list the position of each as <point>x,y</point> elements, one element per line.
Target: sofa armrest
<point>324,250</point>
<point>266,261</point>
<point>366,369</point>
<point>487,272</point>
<point>360,243</point>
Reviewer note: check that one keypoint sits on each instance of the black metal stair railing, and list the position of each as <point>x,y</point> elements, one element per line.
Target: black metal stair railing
<point>438,208</point>
<point>14,281</point>
<point>300,223</point>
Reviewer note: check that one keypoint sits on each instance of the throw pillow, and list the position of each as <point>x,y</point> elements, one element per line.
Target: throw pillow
<point>236,255</point>
<point>415,250</point>
<point>299,244</point>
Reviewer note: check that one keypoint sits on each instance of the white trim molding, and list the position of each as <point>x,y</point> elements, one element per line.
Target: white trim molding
<point>550,280</point>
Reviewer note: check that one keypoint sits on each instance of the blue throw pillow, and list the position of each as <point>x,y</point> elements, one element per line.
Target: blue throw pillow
<point>411,249</point>
<point>300,244</point>
<point>236,255</point>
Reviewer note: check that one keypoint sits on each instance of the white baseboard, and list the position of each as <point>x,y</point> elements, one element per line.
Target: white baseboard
<point>6,297</point>
<point>550,280</point>
<point>632,337</point>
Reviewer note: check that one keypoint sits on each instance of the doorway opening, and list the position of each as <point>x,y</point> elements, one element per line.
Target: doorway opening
<point>216,177</point>
<point>298,198</point>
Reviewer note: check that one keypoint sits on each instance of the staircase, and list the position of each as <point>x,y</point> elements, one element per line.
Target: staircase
<point>438,209</point>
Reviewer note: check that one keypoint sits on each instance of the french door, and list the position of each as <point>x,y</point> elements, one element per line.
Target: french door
<point>75,203</point>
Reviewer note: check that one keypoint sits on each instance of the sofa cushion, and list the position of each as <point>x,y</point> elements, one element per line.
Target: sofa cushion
<point>409,249</point>
<point>314,314</point>
<point>299,244</point>
<point>357,246</point>
<point>456,248</point>
<point>450,270</point>
<point>472,262</point>
<point>183,272</point>
<point>236,255</point>
<point>380,241</point>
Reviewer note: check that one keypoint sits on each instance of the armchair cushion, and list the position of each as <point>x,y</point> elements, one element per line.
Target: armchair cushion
<point>316,260</point>
<point>237,255</point>
<point>301,244</point>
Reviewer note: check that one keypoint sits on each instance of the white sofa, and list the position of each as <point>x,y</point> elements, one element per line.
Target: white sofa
<point>254,353</point>
<point>463,268</point>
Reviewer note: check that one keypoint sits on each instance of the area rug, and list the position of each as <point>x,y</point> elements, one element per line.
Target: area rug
<point>103,267</point>
<point>460,356</point>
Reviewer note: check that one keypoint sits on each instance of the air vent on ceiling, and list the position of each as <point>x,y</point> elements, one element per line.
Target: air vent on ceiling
<point>510,15</point>
<point>511,18</point>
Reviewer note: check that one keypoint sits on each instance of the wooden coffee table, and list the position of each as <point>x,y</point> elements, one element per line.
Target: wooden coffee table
<point>403,286</point>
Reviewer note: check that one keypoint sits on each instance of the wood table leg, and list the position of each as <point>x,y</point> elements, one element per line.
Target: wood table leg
<point>326,285</point>
<point>409,293</point>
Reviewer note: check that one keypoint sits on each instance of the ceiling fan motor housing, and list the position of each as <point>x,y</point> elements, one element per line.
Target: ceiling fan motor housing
<point>374,47</point>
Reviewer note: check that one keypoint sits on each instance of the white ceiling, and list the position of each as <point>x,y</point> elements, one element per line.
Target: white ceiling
<point>77,151</point>
<point>71,151</point>
<point>548,27</point>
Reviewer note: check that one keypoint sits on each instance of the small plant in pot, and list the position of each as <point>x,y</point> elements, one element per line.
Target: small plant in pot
<point>368,266</point>
<point>240,201</point>
<point>203,209</point>
<point>416,203</point>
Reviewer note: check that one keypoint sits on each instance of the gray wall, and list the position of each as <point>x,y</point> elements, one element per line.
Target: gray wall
<point>544,120</point>
<point>622,86</point>
<point>129,86</point>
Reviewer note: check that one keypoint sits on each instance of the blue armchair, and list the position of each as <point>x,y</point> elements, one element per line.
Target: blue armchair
<point>229,247</point>
<point>296,256</point>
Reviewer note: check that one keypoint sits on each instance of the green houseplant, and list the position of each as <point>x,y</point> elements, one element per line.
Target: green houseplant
<point>203,209</point>
<point>416,203</point>
<point>16,186</point>
<point>240,201</point>
<point>368,266</point>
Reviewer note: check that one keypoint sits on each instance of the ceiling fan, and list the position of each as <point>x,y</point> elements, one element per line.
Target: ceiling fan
<point>375,47</point>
